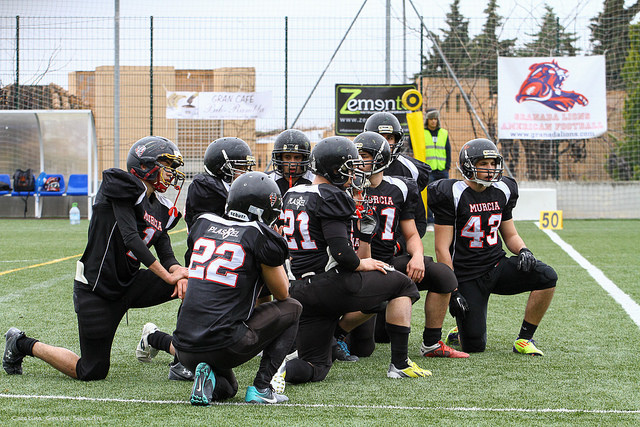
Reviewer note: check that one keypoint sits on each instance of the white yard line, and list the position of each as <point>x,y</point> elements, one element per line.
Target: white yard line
<point>36,287</point>
<point>628,304</point>
<point>323,405</point>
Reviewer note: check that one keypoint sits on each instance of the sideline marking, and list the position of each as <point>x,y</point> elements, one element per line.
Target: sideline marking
<point>39,265</point>
<point>628,304</point>
<point>324,405</point>
<point>2,273</point>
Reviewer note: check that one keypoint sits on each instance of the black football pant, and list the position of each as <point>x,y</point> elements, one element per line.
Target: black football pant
<point>438,277</point>
<point>271,329</point>
<point>503,279</point>
<point>98,319</point>
<point>325,298</point>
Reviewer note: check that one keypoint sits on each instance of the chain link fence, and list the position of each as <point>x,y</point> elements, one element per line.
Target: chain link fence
<point>68,63</point>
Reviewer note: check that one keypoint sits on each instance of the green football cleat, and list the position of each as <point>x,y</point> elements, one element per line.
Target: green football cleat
<point>412,371</point>
<point>453,338</point>
<point>523,346</point>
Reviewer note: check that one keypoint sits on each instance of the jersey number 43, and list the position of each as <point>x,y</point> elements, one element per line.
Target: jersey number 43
<point>475,230</point>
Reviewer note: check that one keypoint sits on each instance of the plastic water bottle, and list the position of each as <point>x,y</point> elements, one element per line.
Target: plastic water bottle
<point>74,214</point>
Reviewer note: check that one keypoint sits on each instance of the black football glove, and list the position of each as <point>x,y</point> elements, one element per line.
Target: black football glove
<point>458,306</point>
<point>526,260</point>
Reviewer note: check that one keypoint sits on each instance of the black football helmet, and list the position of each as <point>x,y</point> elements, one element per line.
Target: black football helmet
<point>144,159</point>
<point>386,123</point>
<point>336,158</point>
<point>225,157</point>
<point>376,145</point>
<point>291,141</point>
<point>254,196</point>
<point>475,150</point>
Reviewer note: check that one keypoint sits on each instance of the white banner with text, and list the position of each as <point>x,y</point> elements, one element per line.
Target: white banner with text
<point>552,98</point>
<point>218,105</point>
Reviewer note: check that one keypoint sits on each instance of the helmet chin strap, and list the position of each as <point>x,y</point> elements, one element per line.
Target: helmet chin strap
<point>174,211</point>
<point>483,182</point>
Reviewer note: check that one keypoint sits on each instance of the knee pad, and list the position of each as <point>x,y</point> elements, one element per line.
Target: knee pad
<point>473,344</point>
<point>548,276</point>
<point>320,372</point>
<point>97,370</point>
<point>300,371</point>
<point>441,278</point>
<point>362,348</point>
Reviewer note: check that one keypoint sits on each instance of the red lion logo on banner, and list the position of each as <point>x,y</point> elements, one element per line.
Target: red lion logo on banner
<point>544,85</point>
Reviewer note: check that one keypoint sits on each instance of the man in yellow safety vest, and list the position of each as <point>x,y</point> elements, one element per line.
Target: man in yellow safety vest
<point>437,152</point>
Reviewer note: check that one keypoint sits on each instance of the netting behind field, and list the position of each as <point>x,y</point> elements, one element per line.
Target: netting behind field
<point>68,63</point>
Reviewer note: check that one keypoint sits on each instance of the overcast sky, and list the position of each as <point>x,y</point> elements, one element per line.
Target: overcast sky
<point>566,10</point>
<point>573,14</point>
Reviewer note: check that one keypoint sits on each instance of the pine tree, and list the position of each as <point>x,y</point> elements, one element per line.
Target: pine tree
<point>610,36</point>
<point>629,150</point>
<point>551,40</point>
<point>454,45</point>
<point>486,47</point>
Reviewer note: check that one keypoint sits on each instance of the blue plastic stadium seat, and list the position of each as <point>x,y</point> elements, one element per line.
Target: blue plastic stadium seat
<point>52,193</point>
<point>5,178</point>
<point>78,185</point>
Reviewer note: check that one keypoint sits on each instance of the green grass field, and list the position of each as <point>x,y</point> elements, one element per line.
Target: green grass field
<point>590,374</point>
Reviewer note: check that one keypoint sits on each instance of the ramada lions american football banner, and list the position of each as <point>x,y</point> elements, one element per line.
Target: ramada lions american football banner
<point>552,98</point>
<point>218,105</point>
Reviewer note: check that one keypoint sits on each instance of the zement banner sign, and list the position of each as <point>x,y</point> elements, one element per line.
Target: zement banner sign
<point>356,103</point>
<point>552,98</point>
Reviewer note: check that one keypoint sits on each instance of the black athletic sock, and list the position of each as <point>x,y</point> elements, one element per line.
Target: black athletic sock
<point>25,345</point>
<point>399,336</point>
<point>431,336</point>
<point>160,340</point>
<point>527,330</point>
<point>340,333</point>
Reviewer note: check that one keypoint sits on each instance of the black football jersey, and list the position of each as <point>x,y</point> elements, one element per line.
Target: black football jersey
<point>418,171</point>
<point>283,183</point>
<point>410,168</point>
<point>124,225</point>
<point>304,208</point>
<point>206,194</point>
<point>476,218</point>
<point>393,200</point>
<point>224,280</point>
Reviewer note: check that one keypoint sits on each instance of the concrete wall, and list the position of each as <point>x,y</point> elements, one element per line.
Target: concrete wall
<point>592,200</point>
